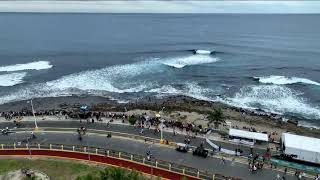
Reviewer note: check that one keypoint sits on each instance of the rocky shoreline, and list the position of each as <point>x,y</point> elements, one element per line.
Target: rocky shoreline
<point>171,103</point>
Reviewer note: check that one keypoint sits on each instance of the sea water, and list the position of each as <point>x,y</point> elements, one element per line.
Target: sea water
<point>270,62</point>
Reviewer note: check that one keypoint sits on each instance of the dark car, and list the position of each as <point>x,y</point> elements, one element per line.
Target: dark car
<point>200,151</point>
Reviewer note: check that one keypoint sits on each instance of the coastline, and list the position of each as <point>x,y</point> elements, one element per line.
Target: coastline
<point>178,103</point>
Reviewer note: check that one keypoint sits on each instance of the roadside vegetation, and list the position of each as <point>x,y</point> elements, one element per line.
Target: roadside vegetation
<point>114,174</point>
<point>58,169</point>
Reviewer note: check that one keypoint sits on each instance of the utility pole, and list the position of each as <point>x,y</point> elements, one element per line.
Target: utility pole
<point>34,116</point>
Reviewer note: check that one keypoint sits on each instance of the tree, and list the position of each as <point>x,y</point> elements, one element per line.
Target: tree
<point>216,116</point>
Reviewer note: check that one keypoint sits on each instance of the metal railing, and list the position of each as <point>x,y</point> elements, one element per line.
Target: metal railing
<point>156,163</point>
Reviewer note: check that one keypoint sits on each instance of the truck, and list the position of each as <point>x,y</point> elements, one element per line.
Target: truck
<point>301,148</point>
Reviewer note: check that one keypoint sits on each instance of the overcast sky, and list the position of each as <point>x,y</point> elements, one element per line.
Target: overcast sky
<point>161,6</point>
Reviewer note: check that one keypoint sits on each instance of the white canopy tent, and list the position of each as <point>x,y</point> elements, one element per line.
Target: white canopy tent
<point>248,135</point>
<point>305,148</point>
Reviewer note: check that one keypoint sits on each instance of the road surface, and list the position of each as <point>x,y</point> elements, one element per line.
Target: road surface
<point>137,147</point>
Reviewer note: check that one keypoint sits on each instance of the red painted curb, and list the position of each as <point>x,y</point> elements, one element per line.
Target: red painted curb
<point>101,159</point>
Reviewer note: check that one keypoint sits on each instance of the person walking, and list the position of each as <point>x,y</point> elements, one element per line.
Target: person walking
<point>300,176</point>
<point>32,135</point>
<point>233,161</point>
<point>223,161</point>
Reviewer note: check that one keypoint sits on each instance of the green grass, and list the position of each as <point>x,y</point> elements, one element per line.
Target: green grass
<point>55,169</point>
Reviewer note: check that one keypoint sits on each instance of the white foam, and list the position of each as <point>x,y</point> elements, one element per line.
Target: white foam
<point>166,89</point>
<point>12,79</point>
<point>126,78</point>
<point>200,51</point>
<point>281,80</point>
<point>37,65</point>
<point>180,62</point>
<point>274,98</point>
<point>190,89</point>
<point>122,78</point>
<point>308,125</point>
<point>112,79</point>
<point>198,92</point>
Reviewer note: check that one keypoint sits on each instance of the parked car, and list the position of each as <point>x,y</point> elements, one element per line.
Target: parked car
<point>200,151</point>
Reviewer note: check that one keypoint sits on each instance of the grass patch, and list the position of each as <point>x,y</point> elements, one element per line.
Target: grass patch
<point>56,169</point>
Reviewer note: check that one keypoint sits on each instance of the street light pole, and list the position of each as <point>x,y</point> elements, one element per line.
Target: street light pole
<point>161,133</point>
<point>34,116</point>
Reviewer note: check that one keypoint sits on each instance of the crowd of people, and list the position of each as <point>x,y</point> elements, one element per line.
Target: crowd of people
<point>144,121</point>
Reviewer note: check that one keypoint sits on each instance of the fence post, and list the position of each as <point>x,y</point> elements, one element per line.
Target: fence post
<point>27,146</point>
<point>38,146</point>
<point>143,160</point>
<point>213,176</point>
<point>156,163</point>
<point>1,146</point>
<point>169,167</point>
<point>72,148</point>
<point>108,153</point>
<point>96,151</point>
<point>131,157</point>
<point>119,154</point>
<point>50,146</point>
<point>183,171</point>
<point>198,174</point>
<point>14,145</point>
<point>61,147</point>
<point>85,149</point>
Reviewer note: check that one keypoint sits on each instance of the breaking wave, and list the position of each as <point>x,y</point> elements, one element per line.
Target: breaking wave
<point>139,77</point>
<point>12,79</point>
<point>276,99</point>
<point>119,78</point>
<point>282,80</point>
<point>201,51</point>
<point>180,62</point>
<point>37,65</point>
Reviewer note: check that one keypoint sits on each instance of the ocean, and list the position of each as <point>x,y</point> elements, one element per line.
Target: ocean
<point>267,62</point>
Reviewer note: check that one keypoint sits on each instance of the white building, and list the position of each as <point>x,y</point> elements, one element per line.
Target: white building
<point>246,137</point>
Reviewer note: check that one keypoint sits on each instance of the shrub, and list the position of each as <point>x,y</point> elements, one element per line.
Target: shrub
<point>132,120</point>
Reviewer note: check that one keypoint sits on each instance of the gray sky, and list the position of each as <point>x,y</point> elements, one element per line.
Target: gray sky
<point>160,6</point>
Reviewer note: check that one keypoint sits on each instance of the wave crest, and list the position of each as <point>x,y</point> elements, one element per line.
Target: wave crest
<point>37,65</point>
<point>180,62</point>
<point>282,80</point>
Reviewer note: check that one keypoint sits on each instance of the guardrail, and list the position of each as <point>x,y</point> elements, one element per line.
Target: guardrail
<point>132,161</point>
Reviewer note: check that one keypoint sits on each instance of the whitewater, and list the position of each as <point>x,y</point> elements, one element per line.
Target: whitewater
<point>20,72</point>
<point>282,80</point>
<point>12,79</point>
<point>36,65</point>
<point>116,79</point>
<point>274,98</point>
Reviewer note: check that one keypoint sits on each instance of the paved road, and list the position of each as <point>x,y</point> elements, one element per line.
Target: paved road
<point>129,130</point>
<point>159,152</point>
